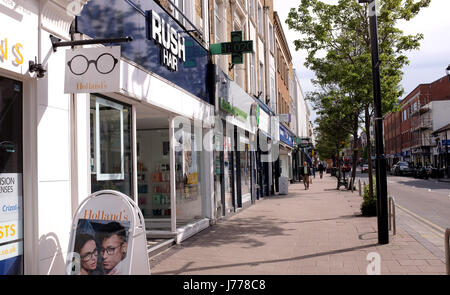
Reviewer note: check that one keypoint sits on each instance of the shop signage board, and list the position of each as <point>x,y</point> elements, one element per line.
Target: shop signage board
<point>173,45</point>
<point>286,137</point>
<point>285,118</point>
<point>108,236</point>
<point>92,70</point>
<point>17,45</point>
<point>236,106</point>
<point>265,122</point>
<point>11,235</point>
<point>106,19</point>
<point>232,110</point>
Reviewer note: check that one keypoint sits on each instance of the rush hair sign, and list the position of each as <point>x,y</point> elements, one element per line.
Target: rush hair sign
<point>173,46</point>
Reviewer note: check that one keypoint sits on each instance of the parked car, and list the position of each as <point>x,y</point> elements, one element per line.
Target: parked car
<point>403,168</point>
<point>365,168</point>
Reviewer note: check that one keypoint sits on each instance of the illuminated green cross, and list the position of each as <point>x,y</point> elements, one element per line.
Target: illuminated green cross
<point>236,48</point>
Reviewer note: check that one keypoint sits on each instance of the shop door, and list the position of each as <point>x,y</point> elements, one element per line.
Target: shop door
<point>11,169</point>
<point>229,167</point>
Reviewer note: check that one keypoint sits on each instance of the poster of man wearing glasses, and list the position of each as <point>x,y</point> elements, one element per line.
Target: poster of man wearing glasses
<point>101,247</point>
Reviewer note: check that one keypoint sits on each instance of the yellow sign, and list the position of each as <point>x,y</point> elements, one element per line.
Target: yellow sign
<point>15,49</point>
<point>192,178</point>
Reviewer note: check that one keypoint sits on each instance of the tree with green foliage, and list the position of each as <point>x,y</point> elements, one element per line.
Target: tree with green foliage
<point>336,38</point>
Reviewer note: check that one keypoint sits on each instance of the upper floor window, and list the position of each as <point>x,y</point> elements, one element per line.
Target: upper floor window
<point>271,41</point>
<point>185,6</point>
<point>261,80</point>
<point>252,8</point>
<point>260,19</point>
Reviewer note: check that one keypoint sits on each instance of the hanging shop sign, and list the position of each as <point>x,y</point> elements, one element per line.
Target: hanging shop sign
<point>108,237</point>
<point>173,45</point>
<point>92,70</point>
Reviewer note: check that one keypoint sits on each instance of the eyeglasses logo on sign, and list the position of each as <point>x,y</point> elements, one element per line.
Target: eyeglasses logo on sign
<point>173,46</point>
<point>104,64</point>
<point>92,70</point>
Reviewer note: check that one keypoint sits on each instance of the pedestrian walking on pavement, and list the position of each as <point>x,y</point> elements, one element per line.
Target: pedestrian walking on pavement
<point>305,172</point>
<point>321,169</point>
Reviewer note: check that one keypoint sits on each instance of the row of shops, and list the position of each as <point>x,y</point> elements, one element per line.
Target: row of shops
<point>436,156</point>
<point>178,136</point>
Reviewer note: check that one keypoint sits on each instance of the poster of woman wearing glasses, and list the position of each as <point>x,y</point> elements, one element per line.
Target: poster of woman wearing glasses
<point>101,247</point>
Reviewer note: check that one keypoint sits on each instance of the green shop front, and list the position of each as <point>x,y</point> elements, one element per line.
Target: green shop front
<point>235,143</point>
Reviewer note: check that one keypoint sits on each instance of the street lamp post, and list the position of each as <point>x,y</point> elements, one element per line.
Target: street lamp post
<point>446,135</point>
<point>381,181</point>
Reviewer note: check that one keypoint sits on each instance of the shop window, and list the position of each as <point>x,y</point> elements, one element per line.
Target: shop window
<point>11,175</point>
<point>111,153</point>
<point>245,167</point>
<point>188,175</point>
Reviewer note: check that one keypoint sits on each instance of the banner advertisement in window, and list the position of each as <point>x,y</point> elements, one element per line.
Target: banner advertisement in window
<point>11,234</point>
<point>92,70</point>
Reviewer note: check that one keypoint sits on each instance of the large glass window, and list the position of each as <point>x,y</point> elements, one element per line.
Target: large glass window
<point>11,169</point>
<point>111,146</point>
<point>228,170</point>
<point>153,157</point>
<point>188,175</point>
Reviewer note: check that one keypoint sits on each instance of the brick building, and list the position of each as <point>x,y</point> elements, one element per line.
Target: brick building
<point>409,132</point>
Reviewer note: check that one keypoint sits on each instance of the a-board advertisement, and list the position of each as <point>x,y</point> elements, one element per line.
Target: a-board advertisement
<point>108,237</point>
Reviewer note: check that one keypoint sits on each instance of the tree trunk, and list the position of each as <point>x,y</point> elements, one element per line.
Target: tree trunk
<point>355,149</point>
<point>369,150</point>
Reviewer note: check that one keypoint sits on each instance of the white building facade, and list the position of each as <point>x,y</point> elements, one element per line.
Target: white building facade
<point>50,140</point>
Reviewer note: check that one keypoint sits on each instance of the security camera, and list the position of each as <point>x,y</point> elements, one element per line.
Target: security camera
<point>38,68</point>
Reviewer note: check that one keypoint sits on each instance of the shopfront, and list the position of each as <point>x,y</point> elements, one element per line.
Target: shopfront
<point>284,164</point>
<point>152,136</point>
<point>17,48</point>
<point>235,142</point>
<point>11,175</point>
<point>264,166</point>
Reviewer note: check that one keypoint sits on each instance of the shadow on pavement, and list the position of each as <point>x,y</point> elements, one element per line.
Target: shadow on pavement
<point>239,230</point>
<point>186,268</point>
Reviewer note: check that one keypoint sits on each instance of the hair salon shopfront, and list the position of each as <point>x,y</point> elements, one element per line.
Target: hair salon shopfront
<point>148,139</point>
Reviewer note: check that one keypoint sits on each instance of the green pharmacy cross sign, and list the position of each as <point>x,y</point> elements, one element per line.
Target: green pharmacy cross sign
<point>236,48</point>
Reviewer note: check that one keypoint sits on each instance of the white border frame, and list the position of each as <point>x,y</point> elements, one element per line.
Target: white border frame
<point>106,176</point>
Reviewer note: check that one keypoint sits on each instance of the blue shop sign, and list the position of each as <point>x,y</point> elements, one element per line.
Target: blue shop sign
<point>444,143</point>
<point>286,136</point>
<point>160,44</point>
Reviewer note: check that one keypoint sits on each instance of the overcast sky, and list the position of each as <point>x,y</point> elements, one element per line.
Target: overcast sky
<point>426,65</point>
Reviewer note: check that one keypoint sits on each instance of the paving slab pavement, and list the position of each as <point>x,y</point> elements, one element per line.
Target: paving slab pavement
<point>312,232</point>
